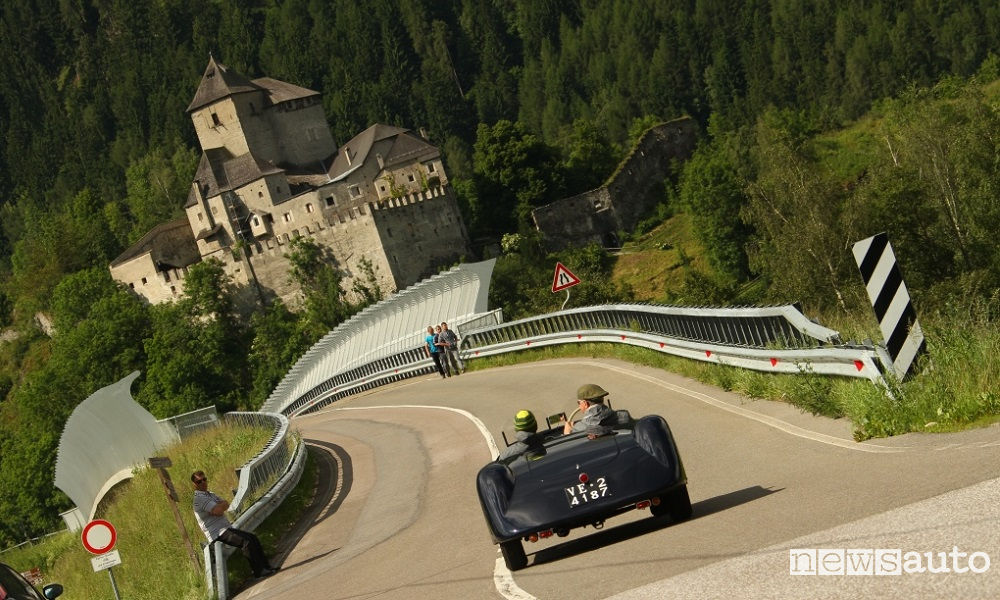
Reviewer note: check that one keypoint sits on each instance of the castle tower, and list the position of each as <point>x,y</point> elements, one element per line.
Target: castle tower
<point>277,122</point>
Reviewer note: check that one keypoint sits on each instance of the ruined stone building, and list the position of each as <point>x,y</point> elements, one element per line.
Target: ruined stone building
<point>270,172</point>
<point>630,194</point>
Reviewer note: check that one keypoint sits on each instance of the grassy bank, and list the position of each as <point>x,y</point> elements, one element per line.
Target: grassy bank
<point>155,562</point>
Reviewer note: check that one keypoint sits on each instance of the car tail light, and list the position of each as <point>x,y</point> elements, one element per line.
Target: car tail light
<point>545,534</point>
<point>533,537</point>
<point>642,504</point>
<point>584,478</point>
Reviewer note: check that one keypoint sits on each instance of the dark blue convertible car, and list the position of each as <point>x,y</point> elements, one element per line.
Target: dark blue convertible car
<point>569,481</point>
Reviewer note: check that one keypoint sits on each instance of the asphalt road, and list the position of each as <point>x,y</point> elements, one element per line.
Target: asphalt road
<point>398,515</point>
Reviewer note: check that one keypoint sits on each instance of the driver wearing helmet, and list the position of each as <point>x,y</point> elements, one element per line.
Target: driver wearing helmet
<point>525,427</point>
<point>597,418</point>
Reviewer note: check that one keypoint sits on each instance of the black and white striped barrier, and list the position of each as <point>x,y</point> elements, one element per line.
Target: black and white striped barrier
<point>904,340</point>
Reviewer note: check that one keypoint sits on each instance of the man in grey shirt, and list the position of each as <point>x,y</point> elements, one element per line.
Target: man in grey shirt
<point>210,512</point>
<point>597,418</point>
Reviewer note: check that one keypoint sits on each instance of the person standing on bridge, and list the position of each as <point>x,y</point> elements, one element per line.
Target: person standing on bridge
<point>432,350</point>
<point>451,357</point>
<point>210,512</point>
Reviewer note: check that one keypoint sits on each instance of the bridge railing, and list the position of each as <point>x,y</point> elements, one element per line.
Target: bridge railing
<point>264,482</point>
<point>777,339</point>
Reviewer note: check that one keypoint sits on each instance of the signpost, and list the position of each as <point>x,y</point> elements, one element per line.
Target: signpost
<point>99,538</point>
<point>563,280</point>
<point>160,463</point>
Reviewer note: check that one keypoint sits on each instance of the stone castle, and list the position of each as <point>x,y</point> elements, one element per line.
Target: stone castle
<point>271,172</point>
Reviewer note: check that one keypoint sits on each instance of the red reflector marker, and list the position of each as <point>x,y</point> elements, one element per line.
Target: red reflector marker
<point>533,537</point>
<point>584,478</point>
<point>545,534</point>
<point>642,504</point>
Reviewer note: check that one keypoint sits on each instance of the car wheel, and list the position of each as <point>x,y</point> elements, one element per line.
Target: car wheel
<point>678,504</point>
<point>513,555</point>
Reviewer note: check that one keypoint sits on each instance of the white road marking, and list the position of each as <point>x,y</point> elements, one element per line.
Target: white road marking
<point>743,412</point>
<point>503,579</point>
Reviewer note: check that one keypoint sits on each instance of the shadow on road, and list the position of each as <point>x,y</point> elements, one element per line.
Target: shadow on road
<point>606,537</point>
<point>703,508</point>
<point>331,490</point>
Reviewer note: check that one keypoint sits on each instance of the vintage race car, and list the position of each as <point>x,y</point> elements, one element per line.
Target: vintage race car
<point>568,481</point>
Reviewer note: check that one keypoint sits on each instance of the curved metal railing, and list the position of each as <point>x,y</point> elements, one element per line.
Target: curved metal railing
<point>264,482</point>
<point>778,339</point>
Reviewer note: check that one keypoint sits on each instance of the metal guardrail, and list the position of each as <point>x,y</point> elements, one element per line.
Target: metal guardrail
<point>261,471</point>
<point>776,339</point>
<point>754,327</point>
<point>264,482</point>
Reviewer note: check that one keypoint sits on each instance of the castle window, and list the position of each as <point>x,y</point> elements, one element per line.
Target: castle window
<point>287,217</point>
<point>143,281</point>
<point>330,201</point>
<point>410,177</point>
<point>256,221</point>
<point>309,207</point>
<point>388,231</point>
<point>361,210</point>
<point>166,276</point>
<point>132,285</point>
<point>260,194</point>
<point>430,167</point>
<point>381,188</point>
<point>215,210</point>
<point>201,217</point>
<point>355,191</point>
<point>173,290</point>
<point>215,120</point>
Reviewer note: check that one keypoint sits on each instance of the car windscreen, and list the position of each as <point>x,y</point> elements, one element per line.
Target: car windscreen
<point>14,587</point>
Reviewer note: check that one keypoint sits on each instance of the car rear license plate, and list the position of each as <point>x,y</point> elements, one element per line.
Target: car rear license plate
<point>583,493</point>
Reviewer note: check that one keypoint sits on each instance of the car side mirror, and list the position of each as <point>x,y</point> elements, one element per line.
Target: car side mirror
<point>52,591</point>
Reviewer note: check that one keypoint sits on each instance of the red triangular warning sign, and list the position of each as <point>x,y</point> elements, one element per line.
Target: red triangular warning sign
<point>563,278</point>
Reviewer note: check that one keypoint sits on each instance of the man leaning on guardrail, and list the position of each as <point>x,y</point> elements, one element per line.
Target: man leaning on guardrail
<point>210,512</point>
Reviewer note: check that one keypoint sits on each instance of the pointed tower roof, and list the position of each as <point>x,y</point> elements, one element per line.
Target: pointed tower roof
<point>219,82</point>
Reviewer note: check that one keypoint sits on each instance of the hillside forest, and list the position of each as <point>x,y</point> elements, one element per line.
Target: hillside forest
<point>821,123</point>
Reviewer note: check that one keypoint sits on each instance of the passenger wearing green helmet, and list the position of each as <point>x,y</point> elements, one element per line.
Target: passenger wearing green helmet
<point>525,428</point>
<point>597,418</point>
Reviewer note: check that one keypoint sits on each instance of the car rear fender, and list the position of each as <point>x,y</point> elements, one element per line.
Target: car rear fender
<point>652,434</point>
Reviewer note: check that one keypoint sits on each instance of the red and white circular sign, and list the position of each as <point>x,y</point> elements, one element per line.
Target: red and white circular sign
<point>99,536</point>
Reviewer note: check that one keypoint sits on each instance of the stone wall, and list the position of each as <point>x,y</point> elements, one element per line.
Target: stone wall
<point>629,196</point>
<point>421,233</point>
<point>349,241</point>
